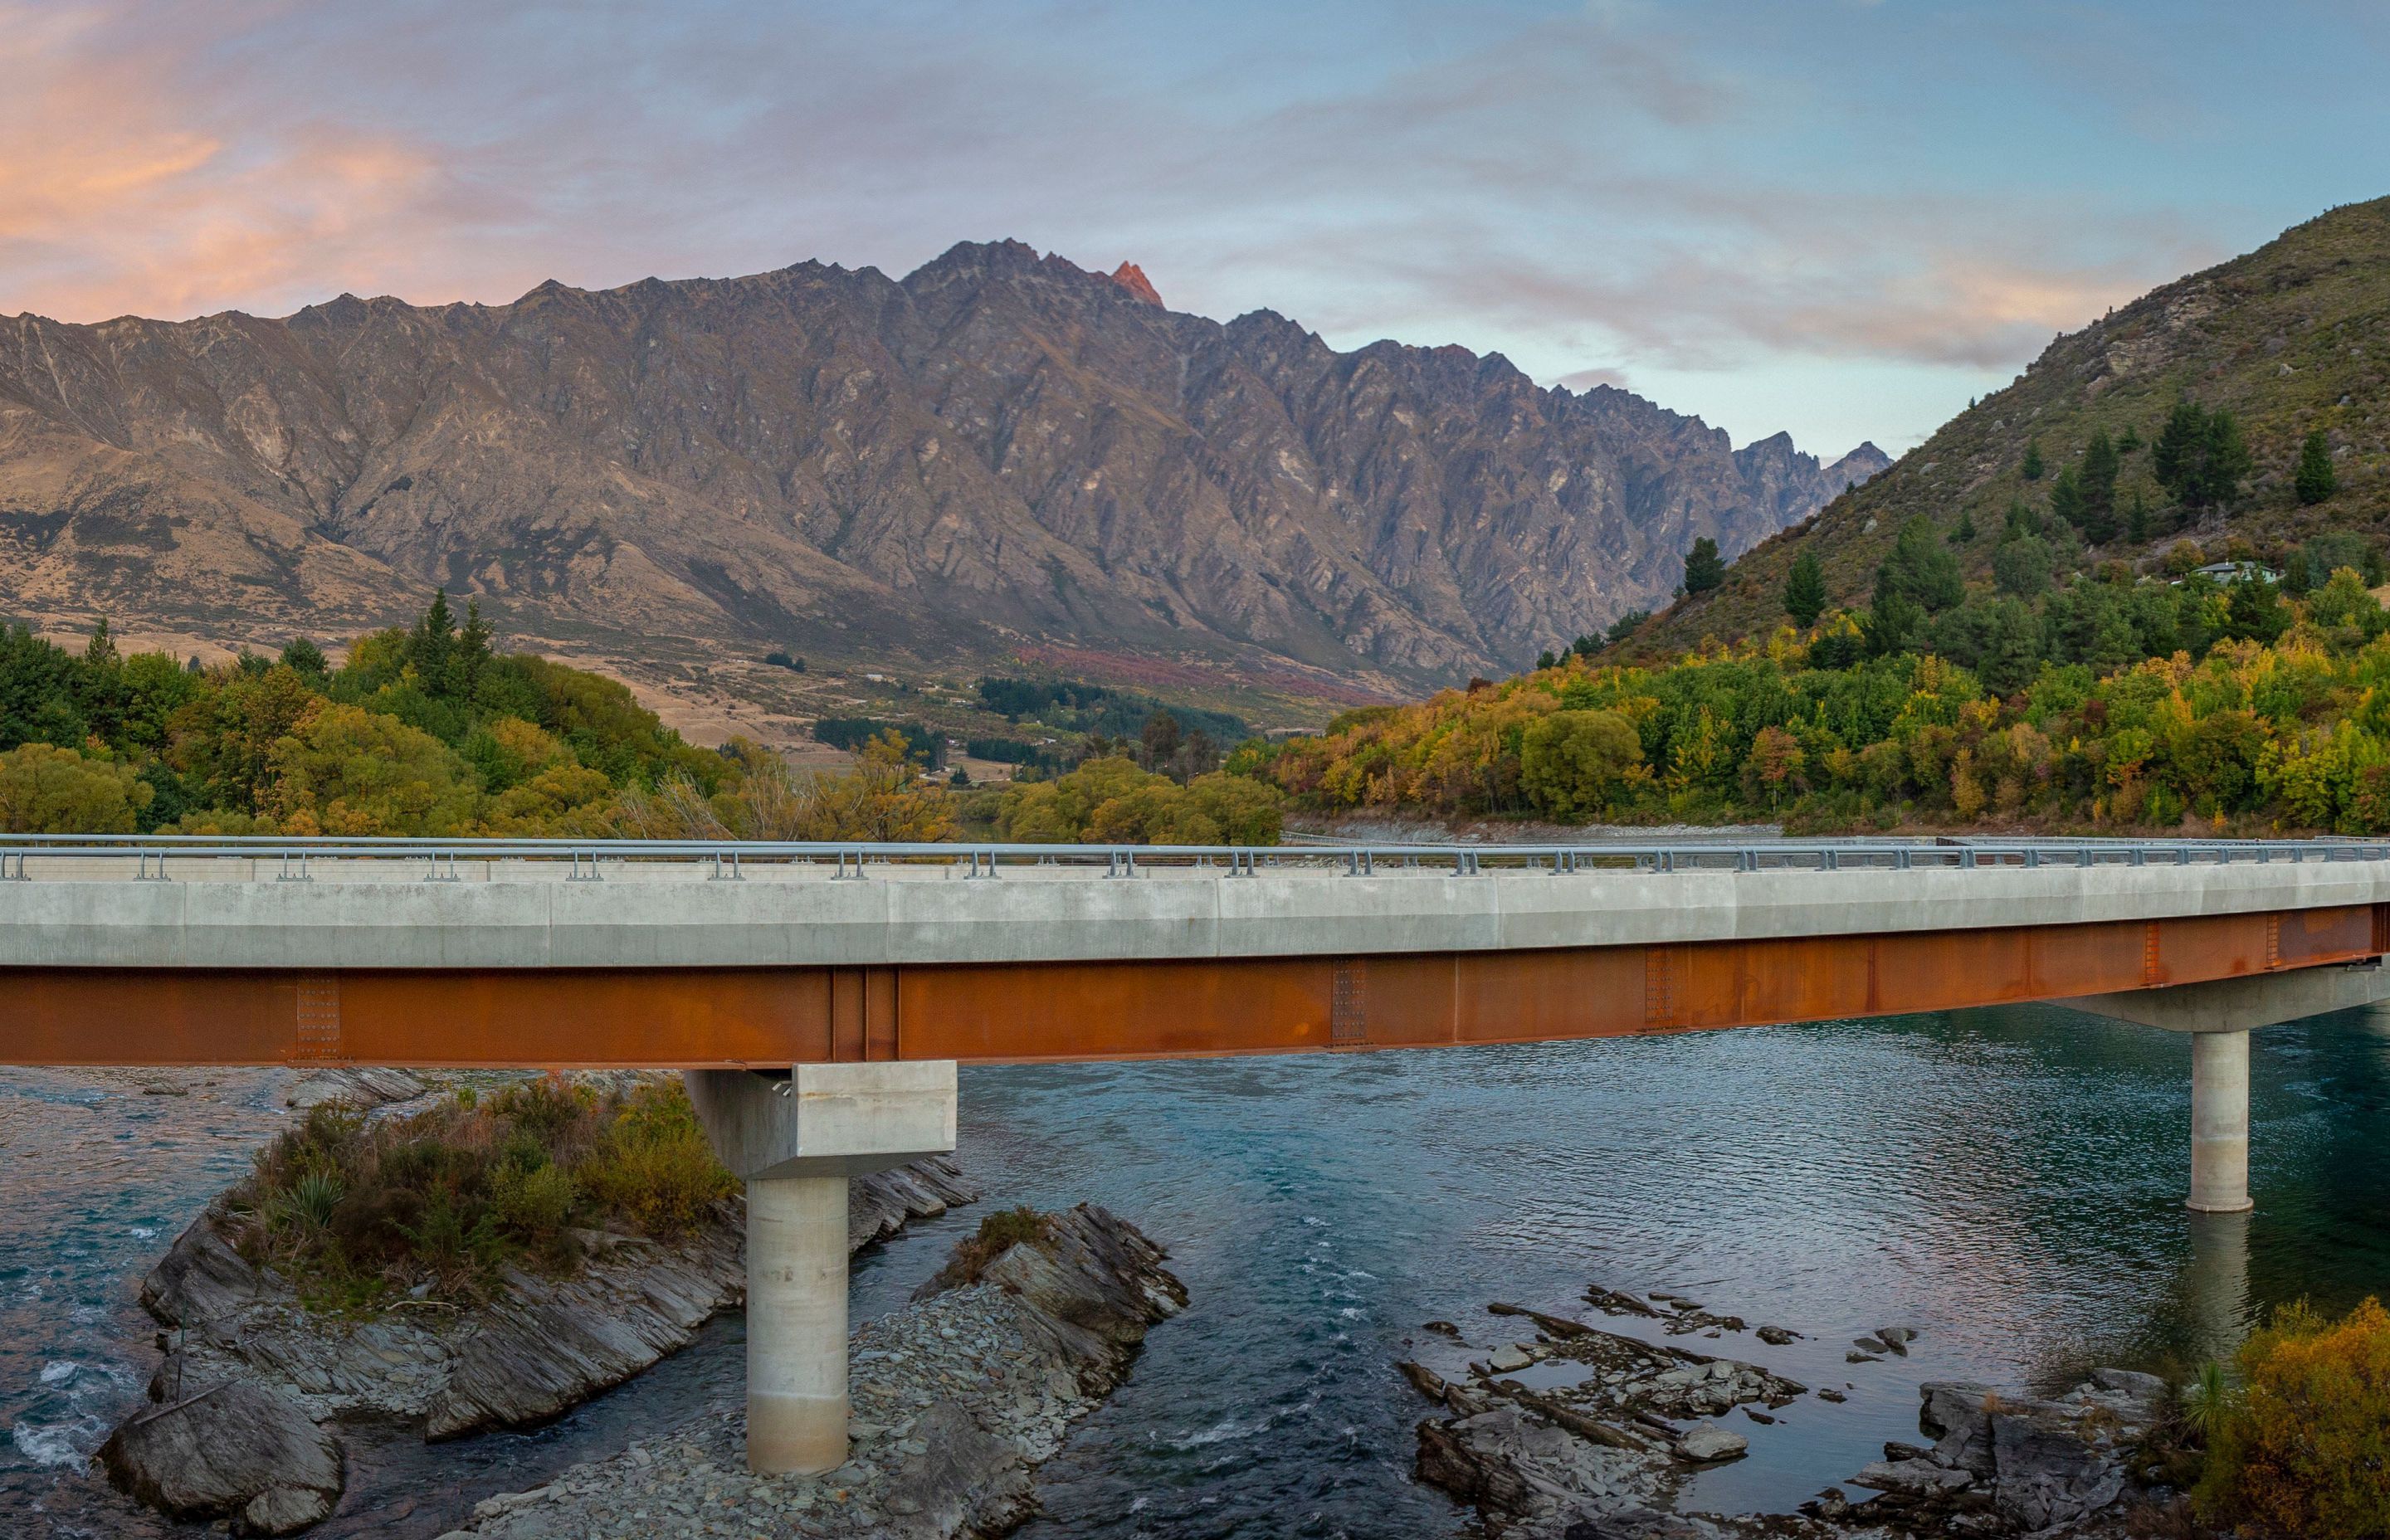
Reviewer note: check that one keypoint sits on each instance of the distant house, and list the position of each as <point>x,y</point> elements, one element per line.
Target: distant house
<point>2233,571</point>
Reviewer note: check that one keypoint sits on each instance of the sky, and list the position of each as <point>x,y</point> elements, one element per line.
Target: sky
<point>1839,218</point>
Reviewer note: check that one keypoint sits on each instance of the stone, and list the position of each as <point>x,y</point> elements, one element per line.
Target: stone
<point>2046,1474</point>
<point>364,1087</point>
<point>1508,1360</point>
<point>238,1451</point>
<point>1916,1476</point>
<point>1777,1336</point>
<point>1706,1442</point>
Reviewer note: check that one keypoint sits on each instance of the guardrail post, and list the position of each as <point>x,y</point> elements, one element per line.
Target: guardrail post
<point>19,874</point>
<point>143,874</point>
<point>720,875</point>
<point>1833,860</point>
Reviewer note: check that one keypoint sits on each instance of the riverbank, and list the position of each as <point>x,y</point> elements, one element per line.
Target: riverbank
<point>958,1398</point>
<point>259,1377</point>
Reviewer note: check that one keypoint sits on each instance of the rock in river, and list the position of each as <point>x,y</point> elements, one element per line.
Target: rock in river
<point>237,1450</point>
<point>1707,1442</point>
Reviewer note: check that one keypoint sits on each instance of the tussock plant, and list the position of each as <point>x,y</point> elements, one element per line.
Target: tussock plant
<point>357,1213</point>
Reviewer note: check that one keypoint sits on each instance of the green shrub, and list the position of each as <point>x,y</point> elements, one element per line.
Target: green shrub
<point>652,1165</point>
<point>355,1212</point>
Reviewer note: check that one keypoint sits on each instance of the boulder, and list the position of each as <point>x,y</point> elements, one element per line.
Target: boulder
<point>1707,1442</point>
<point>965,1481</point>
<point>364,1087</point>
<point>236,1451</point>
<point>1917,1477</point>
<point>2048,1474</point>
<point>200,1278</point>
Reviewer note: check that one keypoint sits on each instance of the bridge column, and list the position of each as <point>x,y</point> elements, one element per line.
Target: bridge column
<point>795,1138</point>
<point>2219,1016</point>
<point>2219,1122</point>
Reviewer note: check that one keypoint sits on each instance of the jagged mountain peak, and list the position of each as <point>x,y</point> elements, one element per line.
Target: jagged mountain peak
<point>1000,448</point>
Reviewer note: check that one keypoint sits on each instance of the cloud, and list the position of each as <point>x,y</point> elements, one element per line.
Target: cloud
<point>1708,186</point>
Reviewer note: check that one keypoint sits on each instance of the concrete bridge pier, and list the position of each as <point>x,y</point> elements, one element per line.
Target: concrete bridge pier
<point>2220,1015</point>
<point>794,1137</point>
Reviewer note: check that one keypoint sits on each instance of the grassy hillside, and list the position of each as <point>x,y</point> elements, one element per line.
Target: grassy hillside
<point>2292,338</point>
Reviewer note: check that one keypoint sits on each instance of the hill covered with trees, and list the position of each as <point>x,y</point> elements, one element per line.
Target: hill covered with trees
<point>427,730</point>
<point>2234,414</point>
<point>2136,590</point>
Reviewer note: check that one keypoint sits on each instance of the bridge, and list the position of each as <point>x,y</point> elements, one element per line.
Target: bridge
<point>820,996</point>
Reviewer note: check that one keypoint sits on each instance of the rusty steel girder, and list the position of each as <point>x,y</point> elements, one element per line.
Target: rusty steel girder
<point>1020,1012</point>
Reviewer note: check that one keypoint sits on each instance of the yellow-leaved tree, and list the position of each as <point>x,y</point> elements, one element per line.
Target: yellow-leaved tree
<point>345,770</point>
<point>51,791</point>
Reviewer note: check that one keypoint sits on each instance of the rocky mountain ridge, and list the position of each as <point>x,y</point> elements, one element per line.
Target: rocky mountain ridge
<point>998,448</point>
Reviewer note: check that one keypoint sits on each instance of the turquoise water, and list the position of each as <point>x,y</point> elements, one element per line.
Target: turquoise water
<point>2009,1182</point>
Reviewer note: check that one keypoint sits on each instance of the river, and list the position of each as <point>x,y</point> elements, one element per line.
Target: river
<point>2009,1182</point>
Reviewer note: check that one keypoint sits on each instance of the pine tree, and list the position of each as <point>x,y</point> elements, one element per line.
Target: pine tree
<point>2178,454</point>
<point>1545,659</point>
<point>431,642</point>
<point>2128,440</point>
<point>1804,590</point>
<point>2315,481</point>
<point>1920,571</point>
<point>100,652</point>
<point>2136,520</point>
<point>472,652</point>
<point>2033,466</point>
<point>2066,498</point>
<point>2097,476</point>
<point>1704,570</point>
<point>2226,462</point>
<point>1965,533</point>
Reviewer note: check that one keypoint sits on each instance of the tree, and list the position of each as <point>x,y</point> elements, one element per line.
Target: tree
<point>2174,460</point>
<point>44,790</point>
<point>1158,744</point>
<point>2201,457</point>
<point>2258,613</point>
<point>1774,761</point>
<point>1804,589</point>
<point>1625,626</point>
<point>2032,467</point>
<point>2066,499</point>
<point>2097,478</point>
<point>2136,520</point>
<point>1964,533</point>
<point>1575,765</point>
<point>1921,569</point>
<point>2315,481</point>
<point>431,643</point>
<point>1546,658</point>
<point>1704,570</point>
<point>2229,461</point>
<point>2022,519</point>
<point>345,770</point>
<point>305,657</point>
<point>2020,566</point>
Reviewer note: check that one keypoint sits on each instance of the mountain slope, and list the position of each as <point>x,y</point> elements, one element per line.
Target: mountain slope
<point>2292,338</point>
<point>998,450</point>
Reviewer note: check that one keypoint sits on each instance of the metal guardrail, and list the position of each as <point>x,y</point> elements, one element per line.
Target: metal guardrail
<point>728,860</point>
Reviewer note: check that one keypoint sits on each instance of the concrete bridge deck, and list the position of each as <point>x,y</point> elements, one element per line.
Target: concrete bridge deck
<point>856,979</point>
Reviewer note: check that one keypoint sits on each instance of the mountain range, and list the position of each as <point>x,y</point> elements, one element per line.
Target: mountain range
<point>999,450</point>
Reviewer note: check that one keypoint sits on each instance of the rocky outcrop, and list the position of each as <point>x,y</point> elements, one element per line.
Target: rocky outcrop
<point>997,448</point>
<point>239,1451</point>
<point>958,1398</point>
<point>2006,1462</point>
<point>1567,1425</point>
<point>541,1346</point>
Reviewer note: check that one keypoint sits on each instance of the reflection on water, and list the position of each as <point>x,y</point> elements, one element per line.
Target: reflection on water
<point>2009,1181</point>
